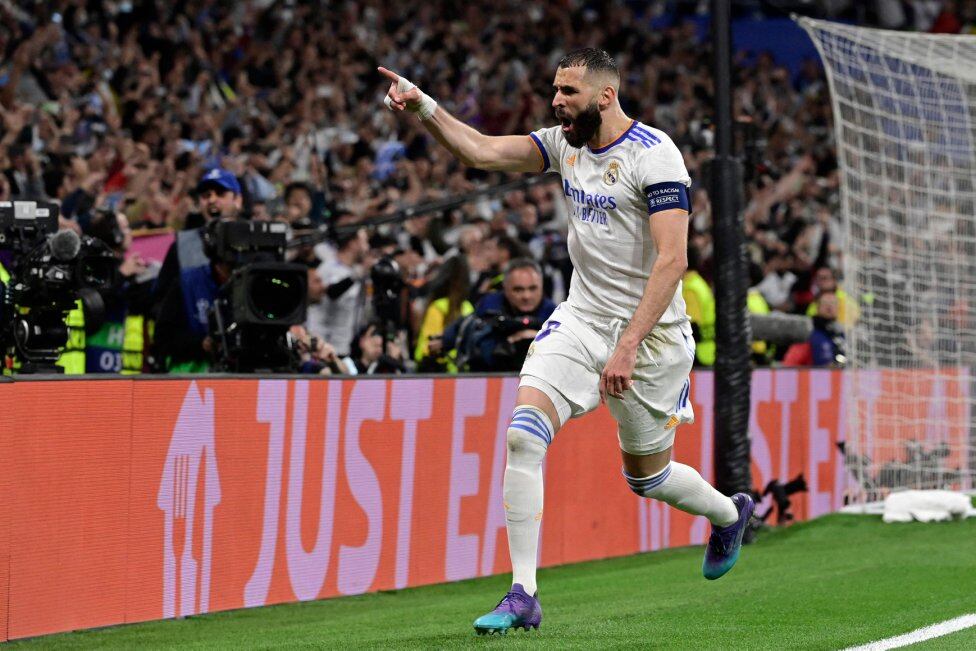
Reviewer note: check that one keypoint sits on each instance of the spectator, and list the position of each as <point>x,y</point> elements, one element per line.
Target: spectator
<point>298,202</point>
<point>825,282</point>
<point>447,302</point>
<point>778,282</point>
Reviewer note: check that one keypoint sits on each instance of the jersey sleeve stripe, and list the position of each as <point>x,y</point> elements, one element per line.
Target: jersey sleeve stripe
<point>542,150</point>
<point>639,139</point>
<point>644,132</point>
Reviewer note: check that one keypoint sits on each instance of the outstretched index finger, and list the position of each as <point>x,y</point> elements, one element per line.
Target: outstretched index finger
<point>389,74</point>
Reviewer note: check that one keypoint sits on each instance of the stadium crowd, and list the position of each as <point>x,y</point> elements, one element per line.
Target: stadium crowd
<point>126,109</point>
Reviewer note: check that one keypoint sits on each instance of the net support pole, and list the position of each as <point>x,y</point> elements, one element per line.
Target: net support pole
<point>732,332</point>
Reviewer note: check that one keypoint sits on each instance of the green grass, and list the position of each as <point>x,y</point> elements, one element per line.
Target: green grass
<point>827,584</point>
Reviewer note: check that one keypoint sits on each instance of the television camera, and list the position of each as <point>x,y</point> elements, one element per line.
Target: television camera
<point>263,297</point>
<point>51,270</point>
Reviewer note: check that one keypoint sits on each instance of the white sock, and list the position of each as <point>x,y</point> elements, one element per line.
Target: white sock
<point>529,436</point>
<point>683,488</point>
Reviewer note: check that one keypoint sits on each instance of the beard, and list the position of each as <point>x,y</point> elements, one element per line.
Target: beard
<point>580,130</point>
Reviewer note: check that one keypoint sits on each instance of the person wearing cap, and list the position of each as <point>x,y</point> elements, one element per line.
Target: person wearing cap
<point>189,280</point>
<point>219,195</point>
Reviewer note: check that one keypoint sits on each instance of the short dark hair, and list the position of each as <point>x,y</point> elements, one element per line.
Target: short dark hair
<point>514,247</point>
<point>523,263</point>
<point>297,186</point>
<point>593,58</point>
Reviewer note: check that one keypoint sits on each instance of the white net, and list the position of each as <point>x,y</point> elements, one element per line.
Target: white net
<point>904,110</point>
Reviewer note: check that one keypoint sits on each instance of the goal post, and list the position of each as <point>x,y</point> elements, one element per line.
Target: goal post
<point>904,110</point>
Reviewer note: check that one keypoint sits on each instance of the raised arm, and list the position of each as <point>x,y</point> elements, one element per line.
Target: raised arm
<point>474,149</point>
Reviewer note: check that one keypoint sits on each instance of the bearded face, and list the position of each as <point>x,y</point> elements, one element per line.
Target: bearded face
<point>579,129</point>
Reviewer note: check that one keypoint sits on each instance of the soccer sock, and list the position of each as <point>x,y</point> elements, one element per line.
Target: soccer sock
<point>529,436</point>
<point>683,488</point>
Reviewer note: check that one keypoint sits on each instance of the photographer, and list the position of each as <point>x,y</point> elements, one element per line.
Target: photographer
<point>367,357</point>
<point>337,315</point>
<point>189,281</point>
<point>826,346</point>
<point>115,338</point>
<point>497,336</point>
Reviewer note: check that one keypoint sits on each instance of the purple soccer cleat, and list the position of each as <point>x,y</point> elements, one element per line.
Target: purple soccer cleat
<point>725,542</point>
<point>516,610</point>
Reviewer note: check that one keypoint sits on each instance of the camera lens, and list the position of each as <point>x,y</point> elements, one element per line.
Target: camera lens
<point>276,295</point>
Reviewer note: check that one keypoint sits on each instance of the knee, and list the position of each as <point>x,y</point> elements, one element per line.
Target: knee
<point>524,447</point>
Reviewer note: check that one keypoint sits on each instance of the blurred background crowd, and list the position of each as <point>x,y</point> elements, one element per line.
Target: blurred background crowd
<point>147,115</point>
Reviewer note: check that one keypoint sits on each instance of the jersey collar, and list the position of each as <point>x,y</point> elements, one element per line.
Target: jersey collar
<point>619,139</point>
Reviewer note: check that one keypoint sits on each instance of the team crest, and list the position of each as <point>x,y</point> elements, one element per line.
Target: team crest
<point>612,174</point>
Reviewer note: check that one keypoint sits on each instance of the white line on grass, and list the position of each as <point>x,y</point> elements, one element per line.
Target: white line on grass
<point>920,634</point>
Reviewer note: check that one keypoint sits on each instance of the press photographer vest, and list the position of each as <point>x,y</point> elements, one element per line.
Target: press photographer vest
<point>72,358</point>
<point>199,292</point>
<point>117,346</point>
<point>196,280</point>
<point>700,303</point>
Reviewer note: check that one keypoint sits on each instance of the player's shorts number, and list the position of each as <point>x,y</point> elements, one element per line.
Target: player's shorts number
<point>547,327</point>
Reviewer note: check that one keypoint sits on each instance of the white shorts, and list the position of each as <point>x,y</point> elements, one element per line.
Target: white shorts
<point>570,352</point>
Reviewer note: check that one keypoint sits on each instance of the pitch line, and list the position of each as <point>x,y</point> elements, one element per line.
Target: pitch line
<point>920,634</point>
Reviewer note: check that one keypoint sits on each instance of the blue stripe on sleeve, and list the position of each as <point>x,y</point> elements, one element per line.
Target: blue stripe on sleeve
<point>644,132</point>
<point>669,195</point>
<point>542,150</point>
<point>640,139</point>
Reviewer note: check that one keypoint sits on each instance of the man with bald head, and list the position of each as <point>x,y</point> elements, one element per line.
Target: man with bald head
<point>622,337</point>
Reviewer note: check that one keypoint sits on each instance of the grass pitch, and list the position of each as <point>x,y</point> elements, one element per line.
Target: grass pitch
<point>837,581</point>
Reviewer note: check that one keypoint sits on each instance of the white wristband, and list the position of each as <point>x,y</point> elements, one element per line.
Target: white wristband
<point>424,108</point>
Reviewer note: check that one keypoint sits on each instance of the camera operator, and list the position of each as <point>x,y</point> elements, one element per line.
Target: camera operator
<point>218,195</point>
<point>337,315</point>
<point>115,339</point>
<point>189,280</point>
<point>497,336</point>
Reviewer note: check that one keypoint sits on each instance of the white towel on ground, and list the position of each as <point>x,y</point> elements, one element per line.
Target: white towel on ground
<point>926,506</point>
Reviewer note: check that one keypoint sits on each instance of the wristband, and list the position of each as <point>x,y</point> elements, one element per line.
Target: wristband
<point>423,109</point>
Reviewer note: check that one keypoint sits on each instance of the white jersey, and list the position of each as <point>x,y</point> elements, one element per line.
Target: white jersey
<point>610,193</point>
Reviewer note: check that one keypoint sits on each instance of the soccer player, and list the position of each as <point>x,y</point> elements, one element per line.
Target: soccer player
<point>622,336</point>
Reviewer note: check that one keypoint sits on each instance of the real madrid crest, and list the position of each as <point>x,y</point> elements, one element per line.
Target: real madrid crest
<point>612,174</point>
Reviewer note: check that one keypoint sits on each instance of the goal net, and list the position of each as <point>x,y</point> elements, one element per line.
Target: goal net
<point>904,108</point>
